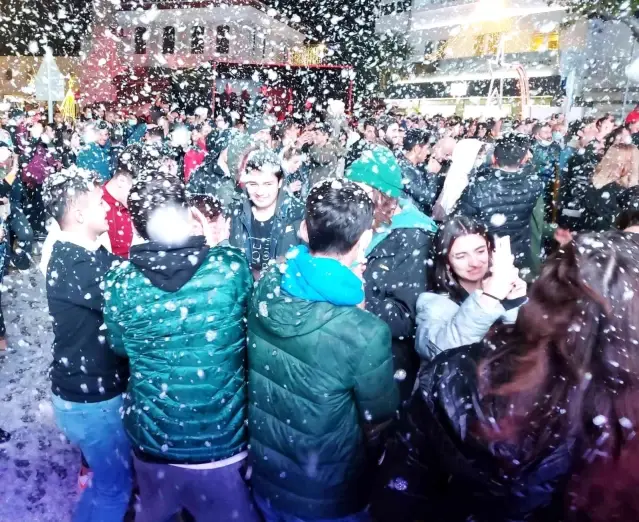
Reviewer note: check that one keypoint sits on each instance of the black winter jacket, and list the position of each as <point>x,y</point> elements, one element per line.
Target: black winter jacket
<point>504,202</point>
<point>84,369</point>
<point>436,468</point>
<point>395,276</point>
<point>603,206</point>
<point>574,187</point>
<point>288,217</point>
<point>421,186</point>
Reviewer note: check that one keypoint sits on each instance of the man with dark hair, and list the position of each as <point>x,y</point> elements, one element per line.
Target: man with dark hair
<point>96,156</point>
<point>324,155</point>
<point>266,225</point>
<point>504,196</point>
<point>87,378</point>
<point>370,130</point>
<point>321,383</point>
<point>420,185</point>
<point>389,133</point>
<point>177,310</point>
<point>576,173</point>
<point>545,161</point>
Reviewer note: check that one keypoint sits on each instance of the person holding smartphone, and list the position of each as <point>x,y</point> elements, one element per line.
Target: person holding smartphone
<point>475,285</point>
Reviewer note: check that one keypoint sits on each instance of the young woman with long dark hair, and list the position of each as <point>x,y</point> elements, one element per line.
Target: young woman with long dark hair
<point>472,289</point>
<point>537,422</point>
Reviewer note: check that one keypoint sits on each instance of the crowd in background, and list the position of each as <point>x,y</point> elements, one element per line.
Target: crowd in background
<point>323,318</point>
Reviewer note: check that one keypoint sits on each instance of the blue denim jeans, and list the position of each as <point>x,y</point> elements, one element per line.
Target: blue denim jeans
<point>270,514</point>
<point>97,429</point>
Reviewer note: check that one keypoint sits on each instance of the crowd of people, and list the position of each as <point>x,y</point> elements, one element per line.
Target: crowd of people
<point>316,319</point>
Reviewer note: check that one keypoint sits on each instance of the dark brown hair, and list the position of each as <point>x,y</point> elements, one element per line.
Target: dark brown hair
<point>385,207</point>
<point>208,205</point>
<point>569,368</point>
<point>443,279</point>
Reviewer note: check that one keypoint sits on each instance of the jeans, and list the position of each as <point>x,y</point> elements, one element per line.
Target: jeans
<point>97,429</point>
<point>210,495</point>
<point>270,514</point>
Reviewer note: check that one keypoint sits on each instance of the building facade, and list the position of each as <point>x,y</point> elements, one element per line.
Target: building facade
<point>471,58</point>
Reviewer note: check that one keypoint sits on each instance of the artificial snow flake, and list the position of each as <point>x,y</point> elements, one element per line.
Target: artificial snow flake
<point>599,420</point>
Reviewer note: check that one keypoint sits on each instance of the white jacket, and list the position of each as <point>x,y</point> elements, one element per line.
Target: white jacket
<point>442,324</point>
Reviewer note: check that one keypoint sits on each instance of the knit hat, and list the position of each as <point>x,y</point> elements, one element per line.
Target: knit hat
<point>378,168</point>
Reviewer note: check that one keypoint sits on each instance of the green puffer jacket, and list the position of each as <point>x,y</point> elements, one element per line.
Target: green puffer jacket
<point>179,316</point>
<point>317,374</point>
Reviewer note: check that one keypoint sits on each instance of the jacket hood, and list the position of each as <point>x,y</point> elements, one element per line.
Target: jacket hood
<point>169,268</point>
<point>408,217</point>
<point>320,279</point>
<point>285,315</point>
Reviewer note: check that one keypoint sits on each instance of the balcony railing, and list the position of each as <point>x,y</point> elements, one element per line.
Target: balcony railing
<point>453,66</point>
<point>434,4</point>
<point>133,5</point>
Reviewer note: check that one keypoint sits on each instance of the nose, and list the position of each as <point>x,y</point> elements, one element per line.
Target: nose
<point>474,262</point>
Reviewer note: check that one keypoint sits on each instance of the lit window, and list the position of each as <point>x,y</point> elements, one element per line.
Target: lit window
<point>486,44</point>
<point>545,42</point>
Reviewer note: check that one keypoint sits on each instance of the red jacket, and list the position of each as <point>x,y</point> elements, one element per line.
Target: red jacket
<point>120,226</point>
<point>192,160</point>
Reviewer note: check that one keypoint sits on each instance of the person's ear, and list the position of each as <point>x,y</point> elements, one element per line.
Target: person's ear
<point>303,233</point>
<point>363,242</point>
<point>280,183</point>
<point>78,216</point>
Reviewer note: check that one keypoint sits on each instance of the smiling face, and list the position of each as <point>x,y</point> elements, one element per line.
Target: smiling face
<point>262,187</point>
<point>469,258</point>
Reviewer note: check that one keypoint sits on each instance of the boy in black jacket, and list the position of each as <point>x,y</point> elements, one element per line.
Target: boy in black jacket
<point>88,379</point>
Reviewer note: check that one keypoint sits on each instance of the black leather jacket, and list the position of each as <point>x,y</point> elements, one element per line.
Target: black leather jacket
<point>437,469</point>
<point>421,186</point>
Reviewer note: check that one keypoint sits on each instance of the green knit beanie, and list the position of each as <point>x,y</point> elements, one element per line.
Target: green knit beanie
<point>378,168</point>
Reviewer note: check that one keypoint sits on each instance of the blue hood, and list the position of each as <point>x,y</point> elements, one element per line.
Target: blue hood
<point>320,279</point>
<point>408,217</point>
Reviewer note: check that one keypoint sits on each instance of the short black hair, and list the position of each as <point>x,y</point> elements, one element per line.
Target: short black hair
<point>337,214</point>
<point>61,189</point>
<point>261,158</point>
<point>578,125</point>
<point>511,149</point>
<point>208,205</point>
<point>628,218</point>
<point>153,192</point>
<point>415,137</point>
<point>538,126</point>
<point>370,122</point>
<point>385,122</point>
<point>155,132</point>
